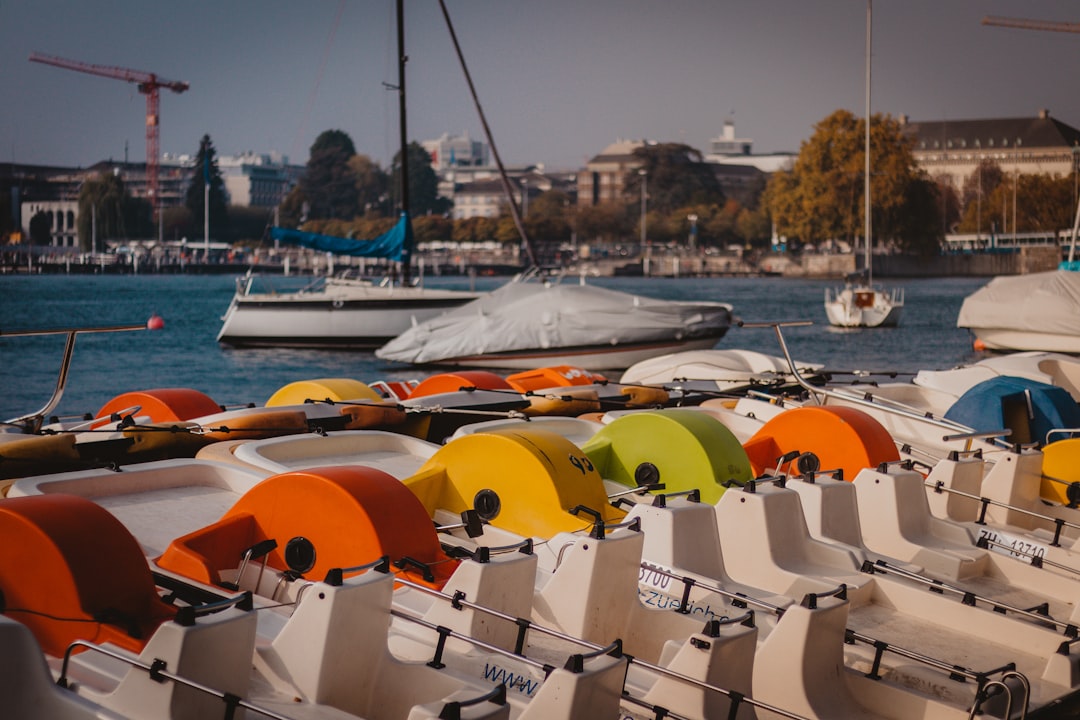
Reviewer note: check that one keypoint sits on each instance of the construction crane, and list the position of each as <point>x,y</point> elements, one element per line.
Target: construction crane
<point>148,84</point>
<point>1031,24</point>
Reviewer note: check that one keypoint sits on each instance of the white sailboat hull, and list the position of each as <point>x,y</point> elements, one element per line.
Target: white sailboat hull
<point>345,316</point>
<point>862,306</point>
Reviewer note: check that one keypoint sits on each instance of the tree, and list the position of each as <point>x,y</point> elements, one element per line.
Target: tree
<point>949,203</point>
<point>328,184</point>
<point>753,227</point>
<point>474,229</point>
<point>433,228</point>
<point>977,188</point>
<point>821,197</point>
<point>423,183</point>
<point>40,228</point>
<point>607,222</point>
<point>294,209</point>
<point>372,185</point>
<point>206,168</point>
<point>1043,204</point>
<point>7,222</point>
<point>676,176</point>
<point>547,220</point>
<point>249,223</point>
<point>108,212</point>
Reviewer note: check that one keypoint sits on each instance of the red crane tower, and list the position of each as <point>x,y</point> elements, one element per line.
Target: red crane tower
<point>148,84</point>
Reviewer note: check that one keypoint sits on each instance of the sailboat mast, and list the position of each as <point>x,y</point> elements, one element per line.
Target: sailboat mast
<point>406,258</point>
<point>866,172</point>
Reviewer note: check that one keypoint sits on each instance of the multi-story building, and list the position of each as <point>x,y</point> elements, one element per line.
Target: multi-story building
<point>603,178</point>
<point>486,196</point>
<point>251,179</point>
<point>256,180</point>
<point>952,149</point>
<point>456,151</point>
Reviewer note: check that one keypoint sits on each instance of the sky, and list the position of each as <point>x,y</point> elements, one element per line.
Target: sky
<point>558,80</point>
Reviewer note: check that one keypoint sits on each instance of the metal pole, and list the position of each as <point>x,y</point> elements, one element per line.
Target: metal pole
<point>866,188</point>
<point>644,236</point>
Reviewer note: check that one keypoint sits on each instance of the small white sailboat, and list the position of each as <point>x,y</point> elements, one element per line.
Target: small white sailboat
<point>860,304</point>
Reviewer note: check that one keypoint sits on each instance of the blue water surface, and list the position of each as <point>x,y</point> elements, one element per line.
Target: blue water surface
<point>186,354</point>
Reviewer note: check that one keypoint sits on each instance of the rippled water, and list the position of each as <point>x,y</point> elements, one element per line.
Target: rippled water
<point>185,353</point>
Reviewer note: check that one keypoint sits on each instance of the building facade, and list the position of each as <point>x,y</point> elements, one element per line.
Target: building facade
<point>603,178</point>
<point>455,151</point>
<point>951,150</point>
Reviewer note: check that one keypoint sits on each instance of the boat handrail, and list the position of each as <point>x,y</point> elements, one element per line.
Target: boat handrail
<point>446,633</point>
<point>32,422</point>
<point>158,672</point>
<point>452,709</point>
<point>741,600</point>
<point>1001,686</point>
<point>459,601</point>
<point>599,527</point>
<point>956,672</point>
<point>1055,431</point>
<point>818,392</point>
<point>968,597</point>
<point>985,502</point>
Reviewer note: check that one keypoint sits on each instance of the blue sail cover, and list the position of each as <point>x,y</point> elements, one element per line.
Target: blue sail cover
<point>985,407</point>
<point>395,244</point>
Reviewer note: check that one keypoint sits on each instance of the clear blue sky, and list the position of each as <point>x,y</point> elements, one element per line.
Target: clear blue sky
<point>558,79</point>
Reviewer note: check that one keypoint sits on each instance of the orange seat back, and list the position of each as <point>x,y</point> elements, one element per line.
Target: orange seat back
<point>351,515</point>
<point>554,376</point>
<point>452,382</point>
<point>70,571</point>
<point>843,438</point>
<point>163,404</point>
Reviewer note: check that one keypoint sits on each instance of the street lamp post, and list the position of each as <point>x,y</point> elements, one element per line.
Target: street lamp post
<point>524,197</point>
<point>644,236</point>
<point>693,231</point>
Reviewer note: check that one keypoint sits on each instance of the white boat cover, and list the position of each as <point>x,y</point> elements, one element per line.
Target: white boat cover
<point>1047,302</point>
<point>522,316</point>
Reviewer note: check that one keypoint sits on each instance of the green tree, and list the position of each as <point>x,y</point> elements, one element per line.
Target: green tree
<point>294,209</point>
<point>423,183</point>
<point>676,176</point>
<point>102,201</point>
<point>547,220</point>
<point>328,184</point>
<point>206,168</point>
<point>753,227</point>
<point>821,197</point>
<point>249,223</point>
<point>372,185</point>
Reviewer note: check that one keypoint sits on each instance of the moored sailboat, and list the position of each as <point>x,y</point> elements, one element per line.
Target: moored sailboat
<point>859,303</point>
<point>344,312</point>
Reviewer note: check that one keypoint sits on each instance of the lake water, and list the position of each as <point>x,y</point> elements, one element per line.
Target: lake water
<point>186,354</point>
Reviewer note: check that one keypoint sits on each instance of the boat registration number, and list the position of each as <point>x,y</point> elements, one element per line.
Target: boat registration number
<point>655,577</point>
<point>1013,546</point>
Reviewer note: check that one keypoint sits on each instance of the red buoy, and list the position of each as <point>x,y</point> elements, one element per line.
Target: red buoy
<point>155,322</point>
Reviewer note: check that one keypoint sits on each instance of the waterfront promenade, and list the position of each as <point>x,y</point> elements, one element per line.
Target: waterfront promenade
<point>658,262</point>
